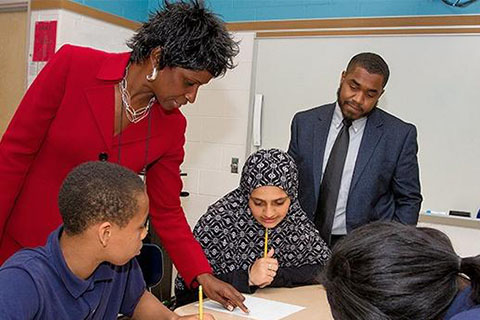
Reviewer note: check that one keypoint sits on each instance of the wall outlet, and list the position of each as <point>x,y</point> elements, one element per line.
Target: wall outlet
<point>234,165</point>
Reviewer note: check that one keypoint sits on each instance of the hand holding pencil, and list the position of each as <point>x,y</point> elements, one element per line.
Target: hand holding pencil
<point>263,270</point>
<point>200,315</point>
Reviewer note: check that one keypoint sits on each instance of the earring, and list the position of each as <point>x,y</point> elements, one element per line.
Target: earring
<point>153,75</point>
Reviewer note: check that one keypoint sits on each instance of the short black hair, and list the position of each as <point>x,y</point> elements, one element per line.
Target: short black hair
<point>98,191</point>
<point>391,271</point>
<point>189,36</point>
<point>371,62</point>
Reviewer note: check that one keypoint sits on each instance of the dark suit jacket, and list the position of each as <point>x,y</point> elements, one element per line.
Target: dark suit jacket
<point>385,183</point>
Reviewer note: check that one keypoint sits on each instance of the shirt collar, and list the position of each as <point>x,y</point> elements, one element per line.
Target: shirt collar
<point>74,284</point>
<point>113,68</point>
<point>461,302</point>
<point>338,118</point>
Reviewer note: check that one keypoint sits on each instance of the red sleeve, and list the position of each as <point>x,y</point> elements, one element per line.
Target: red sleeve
<point>167,216</point>
<point>28,128</point>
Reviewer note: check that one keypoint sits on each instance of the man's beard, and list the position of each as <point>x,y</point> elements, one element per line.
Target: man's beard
<point>341,103</point>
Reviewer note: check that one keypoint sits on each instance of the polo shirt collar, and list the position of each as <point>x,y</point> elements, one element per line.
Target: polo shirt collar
<point>75,286</point>
<point>113,68</point>
<point>462,302</point>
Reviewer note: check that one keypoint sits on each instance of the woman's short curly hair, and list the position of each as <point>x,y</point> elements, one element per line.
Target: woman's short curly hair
<point>96,192</point>
<point>189,36</point>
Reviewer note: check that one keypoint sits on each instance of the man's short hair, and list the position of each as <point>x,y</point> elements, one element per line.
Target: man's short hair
<point>371,62</point>
<point>97,191</point>
<point>189,35</point>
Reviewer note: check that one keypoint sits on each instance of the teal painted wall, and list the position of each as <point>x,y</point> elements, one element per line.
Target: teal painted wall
<point>256,10</point>
<point>136,10</point>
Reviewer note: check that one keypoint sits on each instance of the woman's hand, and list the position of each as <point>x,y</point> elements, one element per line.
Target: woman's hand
<point>263,271</point>
<point>221,292</point>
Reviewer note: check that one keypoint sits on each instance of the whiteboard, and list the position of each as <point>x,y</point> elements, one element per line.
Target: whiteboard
<point>434,84</point>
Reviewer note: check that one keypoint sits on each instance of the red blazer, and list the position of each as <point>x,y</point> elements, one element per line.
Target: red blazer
<point>66,118</point>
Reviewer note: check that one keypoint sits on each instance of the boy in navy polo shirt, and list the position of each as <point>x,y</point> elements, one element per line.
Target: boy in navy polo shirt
<point>86,270</point>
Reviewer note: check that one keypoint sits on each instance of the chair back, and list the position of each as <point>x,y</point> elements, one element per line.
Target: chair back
<point>151,263</point>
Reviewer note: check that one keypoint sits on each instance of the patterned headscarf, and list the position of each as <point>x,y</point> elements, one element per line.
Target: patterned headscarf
<point>233,239</point>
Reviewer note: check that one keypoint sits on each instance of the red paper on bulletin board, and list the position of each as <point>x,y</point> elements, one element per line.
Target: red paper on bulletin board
<point>45,40</point>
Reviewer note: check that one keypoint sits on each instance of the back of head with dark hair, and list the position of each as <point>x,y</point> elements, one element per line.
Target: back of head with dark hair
<point>386,270</point>
<point>189,35</point>
<point>98,191</point>
<point>371,62</point>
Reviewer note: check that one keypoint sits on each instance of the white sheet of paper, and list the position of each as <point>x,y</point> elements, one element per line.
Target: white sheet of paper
<point>260,309</point>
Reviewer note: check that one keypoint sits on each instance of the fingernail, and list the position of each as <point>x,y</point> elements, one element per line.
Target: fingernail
<point>230,308</point>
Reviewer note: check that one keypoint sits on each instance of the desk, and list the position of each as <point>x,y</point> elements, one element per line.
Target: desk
<point>463,232</point>
<point>314,298</point>
<point>447,220</point>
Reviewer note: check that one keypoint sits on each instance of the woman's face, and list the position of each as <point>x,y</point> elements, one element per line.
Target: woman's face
<point>269,205</point>
<point>175,87</point>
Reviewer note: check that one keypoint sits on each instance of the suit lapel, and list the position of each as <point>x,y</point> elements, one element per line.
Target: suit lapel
<point>320,133</point>
<point>371,137</point>
<point>101,97</point>
<point>101,101</point>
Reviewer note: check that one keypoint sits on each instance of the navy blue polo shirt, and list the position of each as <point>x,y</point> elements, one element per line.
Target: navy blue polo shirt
<point>462,307</point>
<point>37,284</point>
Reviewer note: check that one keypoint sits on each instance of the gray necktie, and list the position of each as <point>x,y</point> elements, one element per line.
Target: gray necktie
<point>330,186</point>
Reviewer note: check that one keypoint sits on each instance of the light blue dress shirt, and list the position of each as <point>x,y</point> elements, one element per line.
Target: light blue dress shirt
<point>356,133</point>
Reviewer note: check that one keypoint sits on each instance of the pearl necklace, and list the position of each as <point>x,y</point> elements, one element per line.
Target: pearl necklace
<point>133,115</point>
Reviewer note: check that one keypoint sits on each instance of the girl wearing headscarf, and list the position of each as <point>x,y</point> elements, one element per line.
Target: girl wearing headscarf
<point>232,231</point>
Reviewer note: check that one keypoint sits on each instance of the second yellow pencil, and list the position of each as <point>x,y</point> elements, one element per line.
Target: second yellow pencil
<point>200,302</point>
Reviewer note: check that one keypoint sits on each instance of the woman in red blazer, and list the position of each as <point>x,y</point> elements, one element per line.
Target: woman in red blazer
<point>124,108</point>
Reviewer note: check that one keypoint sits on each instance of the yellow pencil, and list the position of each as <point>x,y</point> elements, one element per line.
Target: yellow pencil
<point>265,248</point>
<point>200,302</point>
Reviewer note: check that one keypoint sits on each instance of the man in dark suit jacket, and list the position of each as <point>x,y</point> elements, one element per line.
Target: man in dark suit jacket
<point>380,177</point>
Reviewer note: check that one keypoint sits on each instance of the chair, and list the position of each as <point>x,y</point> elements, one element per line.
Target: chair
<point>151,263</point>
<point>150,260</point>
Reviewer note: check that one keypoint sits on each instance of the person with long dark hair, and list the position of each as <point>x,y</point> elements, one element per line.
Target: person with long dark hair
<point>390,271</point>
<point>89,105</point>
